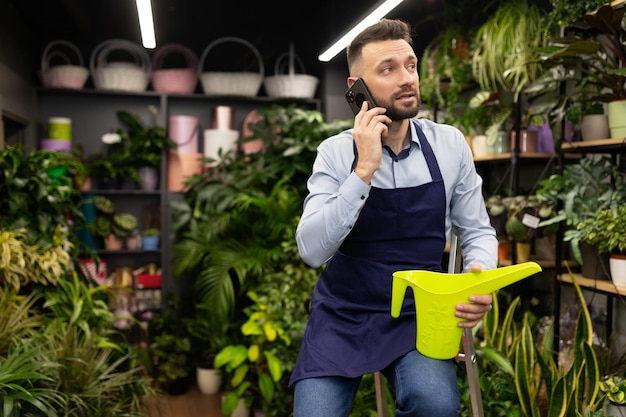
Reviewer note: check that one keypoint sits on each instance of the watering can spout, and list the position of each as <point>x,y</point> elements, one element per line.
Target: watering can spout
<point>436,296</point>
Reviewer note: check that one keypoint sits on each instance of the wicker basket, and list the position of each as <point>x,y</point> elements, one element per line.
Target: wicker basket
<point>121,75</point>
<point>291,85</point>
<point>245,84</point>
<point>67,75</point>
<point>174,80</point>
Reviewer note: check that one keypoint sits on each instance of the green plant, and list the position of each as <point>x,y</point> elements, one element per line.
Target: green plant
<point>606,230</point>
<point>503,56</point>
<point>146,144</point>
<point>124,224</point>
<point>613,390</point>
<point>33,200</point>
<point>582,189</point>
<point>566,12</point>
<point>254,365</point>
<point>151,232</point>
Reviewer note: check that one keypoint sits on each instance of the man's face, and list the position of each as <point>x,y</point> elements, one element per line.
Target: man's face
<point>390,71</point>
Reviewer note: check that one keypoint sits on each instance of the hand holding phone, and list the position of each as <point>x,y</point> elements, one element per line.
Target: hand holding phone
<point>357,94</point>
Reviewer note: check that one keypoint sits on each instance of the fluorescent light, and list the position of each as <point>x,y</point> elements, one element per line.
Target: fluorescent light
<point>380,12</point>
<point>146,23</point>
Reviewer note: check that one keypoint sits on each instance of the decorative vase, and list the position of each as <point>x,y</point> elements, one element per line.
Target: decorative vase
<point>594,126</point>
<point>616,120</point>
<point>617,266</point>
<point>209,380</point>
<point>132,242</point>
<point>149,178</point>
<point>504,250</point>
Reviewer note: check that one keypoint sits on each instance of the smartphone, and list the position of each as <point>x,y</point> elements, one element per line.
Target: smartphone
<point>357,94</point>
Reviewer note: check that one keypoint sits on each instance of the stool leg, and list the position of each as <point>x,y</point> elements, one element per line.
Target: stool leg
<point>381,395</point>
<point>469,356</point>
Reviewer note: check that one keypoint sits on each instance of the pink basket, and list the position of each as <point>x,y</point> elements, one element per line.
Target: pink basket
<point>174,80</point>
<point>66,75</point>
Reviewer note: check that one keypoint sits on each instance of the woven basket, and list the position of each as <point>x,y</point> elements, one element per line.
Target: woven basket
<point>174,80</point>
<point>67,75</point>
<point>120,75</point>
<point>245,84</point>
<point>291,85</point>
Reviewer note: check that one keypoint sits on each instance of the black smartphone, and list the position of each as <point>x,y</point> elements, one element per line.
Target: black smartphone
<point>357,94</point>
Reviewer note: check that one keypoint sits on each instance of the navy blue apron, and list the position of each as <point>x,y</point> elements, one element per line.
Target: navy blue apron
<point>350,331</point>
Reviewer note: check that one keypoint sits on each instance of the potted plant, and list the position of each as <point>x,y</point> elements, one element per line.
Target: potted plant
<point>582,189</point>
<point>606,230</point>
<point>146,145</point>
<point>150,238</point>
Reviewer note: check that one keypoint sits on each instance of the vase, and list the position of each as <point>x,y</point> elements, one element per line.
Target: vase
<point>594,127</point>
<point>132,242</point>
<point>148,178</point>
<point>504,250</point>
<point>616,119</point>
<point>209,380</point>
<point>617,266</point>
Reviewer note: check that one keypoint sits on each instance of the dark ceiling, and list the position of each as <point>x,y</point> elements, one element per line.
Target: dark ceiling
<point>269,25</point>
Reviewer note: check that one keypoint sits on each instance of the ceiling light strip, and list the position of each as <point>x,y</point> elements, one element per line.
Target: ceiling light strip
<point>146,23</point>
<point>380,12</point>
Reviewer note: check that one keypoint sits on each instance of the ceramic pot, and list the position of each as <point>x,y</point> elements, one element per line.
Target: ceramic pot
<point>150,242</point>
<point>594,127</point>
<point>114,242</point>
<point>595,265</point>
<point>208,380</point>
<point>615,410</point>
<point>522,249</point>
<point>617,265</point>
<point>149,178</point>
<point>528,141</point>
<point>479,145</point>
<point>616,119</point>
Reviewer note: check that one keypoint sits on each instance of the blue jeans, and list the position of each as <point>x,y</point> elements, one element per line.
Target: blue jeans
<point>424,387</point>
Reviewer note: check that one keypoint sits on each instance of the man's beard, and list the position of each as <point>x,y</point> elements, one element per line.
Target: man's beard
<point>396,113</point>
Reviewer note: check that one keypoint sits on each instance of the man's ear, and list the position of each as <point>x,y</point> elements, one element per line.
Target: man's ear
<point>351,81</point>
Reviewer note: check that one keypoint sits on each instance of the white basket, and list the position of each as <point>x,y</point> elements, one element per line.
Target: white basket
<point>120,76</point>
<point>290,85</point>
<point>245,84</point>
<point>67,75</point>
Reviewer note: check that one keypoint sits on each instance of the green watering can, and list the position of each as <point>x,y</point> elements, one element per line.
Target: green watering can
<point>438,293</point>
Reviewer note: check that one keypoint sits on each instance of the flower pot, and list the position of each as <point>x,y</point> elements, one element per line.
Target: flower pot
<point>522,249</point>
<point>595,265</point>
<point>500,145</point>
<point>616,120</point>
<point>479,145</point>
<point>208,380</point>
<point>594,126</point>
<point>615,410</point>
<point>114,242</point>
<point>528,141</point>
<point>504,250</point>
<point>132,242</point>
<point>617,265</point>
<point>150,242</point>
<point>149,178</point>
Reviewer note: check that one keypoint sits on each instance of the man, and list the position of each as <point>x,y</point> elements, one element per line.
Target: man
<point>383,197</point>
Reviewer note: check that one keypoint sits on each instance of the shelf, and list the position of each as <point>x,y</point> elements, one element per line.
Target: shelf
<point>598,285</point>
<point>121,192</point>
<point>600,145</point>
<point>505,157</point>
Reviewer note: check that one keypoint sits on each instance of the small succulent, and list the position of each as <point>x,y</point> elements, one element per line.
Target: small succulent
<point>614,389</point>
<point>124,224</point>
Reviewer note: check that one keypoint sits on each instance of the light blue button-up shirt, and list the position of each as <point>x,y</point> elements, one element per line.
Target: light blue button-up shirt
<point>337,194</point>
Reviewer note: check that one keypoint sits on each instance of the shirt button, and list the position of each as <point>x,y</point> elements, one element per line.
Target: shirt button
<point>362,197</point>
